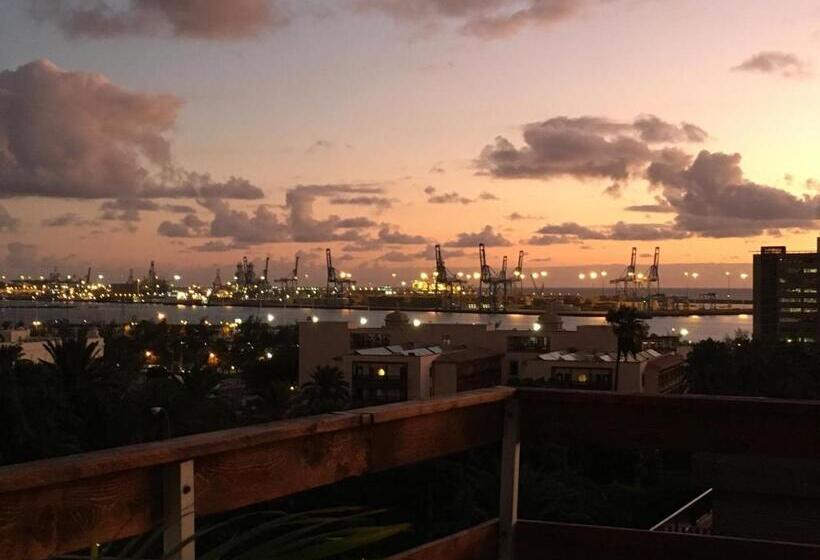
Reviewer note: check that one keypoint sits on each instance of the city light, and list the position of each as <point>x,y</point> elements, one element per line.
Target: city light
<point>362,321</point>
<point>314,319</point>
<point>416,322</point>
<point>160,316</point>
<point>684,332</point>
<point>381,372</point>
<point>582,276</point>
<point>593,275</point>
<point>536,327</point>
<point>270,317</point>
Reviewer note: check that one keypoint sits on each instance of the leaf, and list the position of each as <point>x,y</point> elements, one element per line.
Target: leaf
<point>348,540</point>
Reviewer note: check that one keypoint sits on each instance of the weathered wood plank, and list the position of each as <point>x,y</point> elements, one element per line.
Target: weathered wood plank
<point>535,540</point>
<point>37,522</point>
<point>788,428</point>
<point>476,543</point>
<point>67,504</point>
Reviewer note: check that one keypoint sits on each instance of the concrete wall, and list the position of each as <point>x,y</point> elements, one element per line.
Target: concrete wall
<point>320,344</point>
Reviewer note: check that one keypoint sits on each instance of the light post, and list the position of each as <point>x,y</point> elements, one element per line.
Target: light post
<point>603,282</point>
<point>728,285</point>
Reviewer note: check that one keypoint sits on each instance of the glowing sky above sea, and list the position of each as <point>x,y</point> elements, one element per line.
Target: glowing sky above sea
<point>194,133</point>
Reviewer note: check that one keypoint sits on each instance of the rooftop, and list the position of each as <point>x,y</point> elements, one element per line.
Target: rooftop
<point>608,357</point>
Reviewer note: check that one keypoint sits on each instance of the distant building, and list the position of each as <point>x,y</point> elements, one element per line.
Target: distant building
<point>325,343</point>
<point>647,372</point>
<point>786,291</point>
<point>405,360</point>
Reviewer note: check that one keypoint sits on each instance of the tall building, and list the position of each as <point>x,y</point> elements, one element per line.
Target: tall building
<point>786,291</point>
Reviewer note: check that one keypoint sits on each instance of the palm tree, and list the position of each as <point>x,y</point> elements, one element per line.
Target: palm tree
<point>630,330</point>
<point>16,429</point>
<point>327,391</point>
<point>73,359</point>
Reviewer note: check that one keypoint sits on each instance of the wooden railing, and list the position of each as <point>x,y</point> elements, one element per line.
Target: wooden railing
<point>66,504</point>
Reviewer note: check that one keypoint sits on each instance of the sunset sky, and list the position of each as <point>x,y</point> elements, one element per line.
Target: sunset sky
<point>194,132</point>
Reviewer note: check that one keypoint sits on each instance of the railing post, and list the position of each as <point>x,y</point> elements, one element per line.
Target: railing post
<point>510,455</point>
<point>178,510</point>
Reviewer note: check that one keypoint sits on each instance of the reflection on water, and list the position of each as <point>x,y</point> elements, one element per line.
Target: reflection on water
<point>699,327</point>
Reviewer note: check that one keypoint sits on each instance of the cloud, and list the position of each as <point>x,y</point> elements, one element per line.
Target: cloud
<point>786,64</point>
<point>661,206</point>
<point>445,198</point>
<point>391,235</point>
<point>299,202</point>
<point>654,130</point>
<point>217,247</point>
<point>487,19</point>
<point>713,199</point>
<point>487,196</point>
<point>623,231</point>
<point>571,228</point>
<point>179,208</point>
<point>398,256</point>
<point>437,169</point>
<point>296,223</point>
<point>189,19</point>
<point>320,145</point>
<point>381,202</point>
<point>259,226</point>
<point>517,216</point>
<point>77,135</point>
<point>487,236</point>
<point>583,147</point>
<point>7,221</point>
<point>66,219</point>
<point>571,232</point>
<point>190,226</point>
<point>126,210</point>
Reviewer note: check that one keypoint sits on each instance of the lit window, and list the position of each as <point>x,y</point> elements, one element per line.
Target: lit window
<point>583,378</point>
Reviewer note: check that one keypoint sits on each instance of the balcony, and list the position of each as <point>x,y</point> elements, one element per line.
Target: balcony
<point>66,504</point>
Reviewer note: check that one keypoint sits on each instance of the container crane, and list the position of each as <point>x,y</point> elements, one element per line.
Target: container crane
<point>337,283</point>
<point>290,283</point>
<point>628,276</point>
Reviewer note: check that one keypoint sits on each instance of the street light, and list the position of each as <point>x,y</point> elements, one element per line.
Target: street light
<point>728,284</point>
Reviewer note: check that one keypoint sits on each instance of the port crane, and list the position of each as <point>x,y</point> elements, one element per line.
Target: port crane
<point>444,276</point>
<point>628,278</point>
<point>490,280</point>
<point>337,282</point>
<point>289,283</point>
